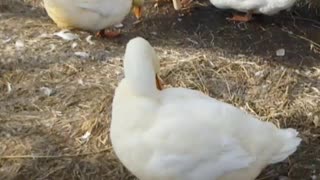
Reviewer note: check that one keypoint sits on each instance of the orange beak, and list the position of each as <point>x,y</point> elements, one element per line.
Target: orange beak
<point>159,83</point>
<point>137,10</point>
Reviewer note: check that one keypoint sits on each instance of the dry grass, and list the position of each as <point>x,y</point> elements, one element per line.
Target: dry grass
<point>50,98</point>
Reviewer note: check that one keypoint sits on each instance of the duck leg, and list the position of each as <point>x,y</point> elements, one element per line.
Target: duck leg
<point>108,34</point>
<point>238,18</point>
<point>137,12</point>
<point>159,83</point>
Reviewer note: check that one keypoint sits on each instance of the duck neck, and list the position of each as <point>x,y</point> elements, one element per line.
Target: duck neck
<point>140,76</point>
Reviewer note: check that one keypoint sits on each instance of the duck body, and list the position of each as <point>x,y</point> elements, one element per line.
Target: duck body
<point>183,134</point>
<point>90,15</point>
<point>267,7</point>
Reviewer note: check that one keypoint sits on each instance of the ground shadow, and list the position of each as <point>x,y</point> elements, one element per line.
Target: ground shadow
<point>206,28</point>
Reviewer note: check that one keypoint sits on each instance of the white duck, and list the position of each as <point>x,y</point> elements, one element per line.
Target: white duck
<point>183,134</point>
<point>267,7</point>
<point>91,15</point>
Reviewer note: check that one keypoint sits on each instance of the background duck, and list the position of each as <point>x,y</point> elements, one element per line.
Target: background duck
<point>93,15</point>
<point>183,134</point>
<point>267,7</point>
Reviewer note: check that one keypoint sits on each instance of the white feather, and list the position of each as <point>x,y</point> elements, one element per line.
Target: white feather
<point>92,15</point>
<point>268,7</point>
<point>182,134</point>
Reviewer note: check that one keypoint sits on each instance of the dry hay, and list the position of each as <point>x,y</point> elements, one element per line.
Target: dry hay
<point>50,100</point>
<point>42,134</point>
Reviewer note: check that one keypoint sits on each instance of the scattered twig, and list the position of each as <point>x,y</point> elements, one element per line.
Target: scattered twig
<point>302,37</point>
<point>302,19</point>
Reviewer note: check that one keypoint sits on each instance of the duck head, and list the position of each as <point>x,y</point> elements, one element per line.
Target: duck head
<point>141,67</point>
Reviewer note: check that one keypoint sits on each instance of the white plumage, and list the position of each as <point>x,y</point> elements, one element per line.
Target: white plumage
<point>91,15</point>
<point>182,134</point>
<point>268,7</point>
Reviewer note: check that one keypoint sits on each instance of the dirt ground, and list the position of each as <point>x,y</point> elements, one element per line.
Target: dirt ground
<point>55,106</point>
